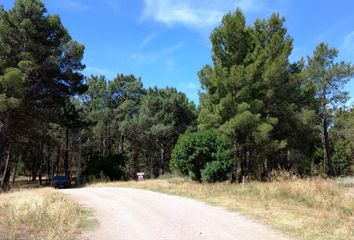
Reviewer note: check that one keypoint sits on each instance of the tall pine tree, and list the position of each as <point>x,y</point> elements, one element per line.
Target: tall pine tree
<point>36,47</point>
<point>328,77</point>
<point>251,91</point>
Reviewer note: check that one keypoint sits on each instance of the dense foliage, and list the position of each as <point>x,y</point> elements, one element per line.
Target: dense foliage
<point>39,71</point>
<point>202,155</point>
<point>258,111</point>
<point>111,167</point>
<point>142,124</point>
<point>341,138</point>
<point>270,108</point>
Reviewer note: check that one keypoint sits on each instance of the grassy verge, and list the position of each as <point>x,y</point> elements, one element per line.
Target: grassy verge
<point>41,214</point>
<point>303,209</point>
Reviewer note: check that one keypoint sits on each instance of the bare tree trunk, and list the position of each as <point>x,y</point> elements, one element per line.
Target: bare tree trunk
<point>14,176</point>
<point>242,165</point>
<point>6,174</point>
<point>36,164</point>
<point>109,144</point>
<point>234,172</point>
<point>66,157</point>
<point>78,177</point>
<point>327,155</point>
<point>41,164</point>
<point>162,158</point>
<point>247,168</point>
<point>57,165</point>
<point>122,144</point>
<point>265,169</point>
<point>102,146</point>
<point>48,163</point>
<point>3,136</point>
<point>34,168</point>
<point>152,167</point>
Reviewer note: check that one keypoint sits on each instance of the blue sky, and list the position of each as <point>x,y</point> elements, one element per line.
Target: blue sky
<point>166,42</point>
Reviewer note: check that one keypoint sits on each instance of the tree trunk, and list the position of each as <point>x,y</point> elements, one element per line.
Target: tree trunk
<point>35,166</point>
<point>66,157</point>
<point>3,135</point>
<point>122,144</point>
<point>288,158</point>
<point>234,172</point>
<point>242,165</point>
<point>57,167</point>
<point>34,169</point>
<point>109,144</point>
<point>41,164</point>
<point>48,163</point>
<point>102,146</point>
<point>327,156</point>
<point>247,168</point>
<point>78,177</point>
<point>265,170</point>
<point>6,174</point>
<point>162,158</point>
<point>14,176</point>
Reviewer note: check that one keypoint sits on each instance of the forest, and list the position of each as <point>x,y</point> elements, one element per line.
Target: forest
<point>258,112</point>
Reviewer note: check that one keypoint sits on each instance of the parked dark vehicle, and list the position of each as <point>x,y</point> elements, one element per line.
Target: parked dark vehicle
<point>60,182</point>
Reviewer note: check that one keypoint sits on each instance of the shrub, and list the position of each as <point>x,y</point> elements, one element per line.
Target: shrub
<point>217,171</point>
<point>202,151</point>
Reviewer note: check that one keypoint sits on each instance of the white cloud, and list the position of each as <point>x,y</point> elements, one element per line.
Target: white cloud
<point>173,48</point>
<point>113,4</point>
<point>96,71</point>
<point>147,40</point>
<point>143,58</point>
<point>195,13</point>
<point>72,5</point>
<point>348,42</point>
<point>170,65</point>
<point>83,5</point>
<point>191,87</point>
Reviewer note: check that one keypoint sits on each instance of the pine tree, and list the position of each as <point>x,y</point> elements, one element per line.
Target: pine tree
<point>328,78</point>
<point>37,50</point>
<point>164,114</point>
<point>251,91</point>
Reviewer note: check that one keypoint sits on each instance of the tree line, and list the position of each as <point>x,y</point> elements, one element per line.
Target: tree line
<point>258,111</point>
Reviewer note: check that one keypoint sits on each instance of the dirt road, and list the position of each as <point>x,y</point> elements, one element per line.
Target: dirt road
<point>128,214</point>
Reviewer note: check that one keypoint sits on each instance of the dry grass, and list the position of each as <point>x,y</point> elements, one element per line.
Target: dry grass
<point>41,214</point>
<point>303,209</point>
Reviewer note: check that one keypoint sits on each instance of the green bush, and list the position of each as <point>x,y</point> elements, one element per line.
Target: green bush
<point>217,171</point>
<point>202,151</point>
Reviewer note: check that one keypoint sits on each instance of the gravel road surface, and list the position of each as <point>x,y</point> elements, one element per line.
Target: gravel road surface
<point>132,214</point>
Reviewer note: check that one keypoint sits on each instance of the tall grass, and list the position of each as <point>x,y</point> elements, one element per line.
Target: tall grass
<point>304,209</point>
<point>41,214</point>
